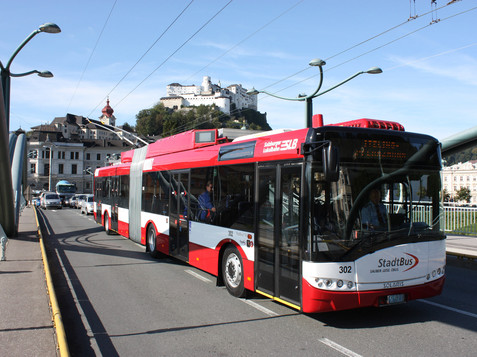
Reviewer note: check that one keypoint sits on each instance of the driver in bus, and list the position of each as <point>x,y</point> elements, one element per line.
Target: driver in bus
<point>207,209</point>
<point>373,214</point>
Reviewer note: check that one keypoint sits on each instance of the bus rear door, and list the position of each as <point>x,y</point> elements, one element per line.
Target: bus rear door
<point>278,217</point>
<point>178,215</point>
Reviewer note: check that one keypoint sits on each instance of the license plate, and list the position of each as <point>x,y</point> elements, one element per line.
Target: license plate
<point>395,299</point>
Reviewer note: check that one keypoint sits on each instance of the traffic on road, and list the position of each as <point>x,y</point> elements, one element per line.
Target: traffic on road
<point>118,300</point>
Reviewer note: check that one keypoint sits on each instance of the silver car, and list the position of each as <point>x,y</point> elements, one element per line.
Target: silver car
<point>79,200</point>
<point>87,205</point>
<point>51,200</point>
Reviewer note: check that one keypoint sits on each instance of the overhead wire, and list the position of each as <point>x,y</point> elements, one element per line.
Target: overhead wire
<point>177,50</point>
<point>372,50</point>
<point>350,48</point>
<point>91,56</point>
<point>193,124</point>
<point>246,38</point>
<point>144,54</point>
<point>261,28</point>
<point>432,56</point>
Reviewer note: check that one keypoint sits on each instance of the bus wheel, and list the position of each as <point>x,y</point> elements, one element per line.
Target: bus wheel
<point>106,225</point>
<point>232,272</point>
<point>151,242</point>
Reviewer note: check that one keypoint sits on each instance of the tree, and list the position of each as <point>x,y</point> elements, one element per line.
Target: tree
<point>463,194</point>
<point>160,120</point>
<point>150,121</point>
<point>446,195</point>
<point>128,128</point>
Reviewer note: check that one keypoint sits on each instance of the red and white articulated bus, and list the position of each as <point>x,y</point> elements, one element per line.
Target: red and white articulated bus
<point>291,217</point>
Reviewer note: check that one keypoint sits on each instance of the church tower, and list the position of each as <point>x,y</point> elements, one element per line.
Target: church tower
<point>108,118</point>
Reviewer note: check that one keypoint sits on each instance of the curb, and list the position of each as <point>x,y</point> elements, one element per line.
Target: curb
<point>55,309</point>
<point>461,255</point>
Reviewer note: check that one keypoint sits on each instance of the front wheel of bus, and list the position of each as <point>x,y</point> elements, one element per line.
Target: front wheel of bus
<point>151,241</point>
<point>232,272</point>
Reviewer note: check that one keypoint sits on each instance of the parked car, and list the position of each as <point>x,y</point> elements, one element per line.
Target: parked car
<point>87,205</point>
<point>51,200</point>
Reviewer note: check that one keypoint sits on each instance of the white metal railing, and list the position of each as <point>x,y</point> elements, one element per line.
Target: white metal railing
<point>460,219</point>
<point>454,219</point>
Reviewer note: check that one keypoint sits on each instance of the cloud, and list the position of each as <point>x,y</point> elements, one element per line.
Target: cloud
<point>459,67</point>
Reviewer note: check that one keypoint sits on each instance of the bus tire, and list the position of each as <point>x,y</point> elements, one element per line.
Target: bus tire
<point>151,242</point>
<point>106,225</point>
<point>232,272</point>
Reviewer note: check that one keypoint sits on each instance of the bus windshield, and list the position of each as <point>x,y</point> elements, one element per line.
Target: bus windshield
<point>66,188</point>
<point>371,207</point>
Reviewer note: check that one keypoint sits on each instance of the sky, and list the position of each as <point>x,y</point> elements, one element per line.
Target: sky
<point>130,51</point>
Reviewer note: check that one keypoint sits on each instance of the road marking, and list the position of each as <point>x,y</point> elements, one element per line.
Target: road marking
<point>466,313</point>
<point>89,330</point>
<point>198,276</point>
<point>339,348</point>
<point>260,307</point>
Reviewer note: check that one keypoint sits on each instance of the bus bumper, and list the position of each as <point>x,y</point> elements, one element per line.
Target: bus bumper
<point>317,300</point>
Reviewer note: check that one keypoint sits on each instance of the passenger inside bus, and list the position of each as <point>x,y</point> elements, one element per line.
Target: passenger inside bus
<point>374,214</point>
<point>207,209</point>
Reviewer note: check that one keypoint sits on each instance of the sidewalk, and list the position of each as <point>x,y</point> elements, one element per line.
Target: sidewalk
<point>26,327</point>
<point>462,246</point>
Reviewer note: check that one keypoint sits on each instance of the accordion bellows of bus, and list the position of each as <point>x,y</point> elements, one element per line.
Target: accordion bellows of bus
<point>320,219</point>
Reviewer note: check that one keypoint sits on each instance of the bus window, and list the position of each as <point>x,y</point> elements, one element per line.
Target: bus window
<point>232,195</point>
<point>235,197</point>
<point>124,191</point>
<point>155,193</point>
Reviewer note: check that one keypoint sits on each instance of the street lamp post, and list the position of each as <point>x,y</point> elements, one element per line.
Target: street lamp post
<point>89,171</point>
<point>48,144</point>
<point>5,70</point>
<point>50,147</point>
<point>308,99</point>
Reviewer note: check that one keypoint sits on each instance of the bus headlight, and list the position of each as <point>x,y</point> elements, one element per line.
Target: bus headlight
<point>333,284</point>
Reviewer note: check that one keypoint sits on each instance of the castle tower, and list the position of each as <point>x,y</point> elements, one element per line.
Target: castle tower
<point>108,118</point>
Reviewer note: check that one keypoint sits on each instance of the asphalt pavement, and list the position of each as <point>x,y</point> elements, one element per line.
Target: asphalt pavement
<point>26,325</point>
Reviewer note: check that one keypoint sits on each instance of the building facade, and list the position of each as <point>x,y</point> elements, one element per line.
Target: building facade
<point>226,99</point>
<point>458,176</point>
<point>71,148</point>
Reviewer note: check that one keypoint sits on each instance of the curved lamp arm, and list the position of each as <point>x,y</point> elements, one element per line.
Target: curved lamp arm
<point>317,62</point>
<point>44,74</point>
<point>372,70</point>
<point>47,28</point>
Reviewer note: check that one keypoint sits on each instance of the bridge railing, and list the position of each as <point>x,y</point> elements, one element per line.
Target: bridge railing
<point>455,219</point>
<point>460,219</point>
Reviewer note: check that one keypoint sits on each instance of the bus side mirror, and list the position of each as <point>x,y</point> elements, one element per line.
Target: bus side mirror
<point>331,165</point>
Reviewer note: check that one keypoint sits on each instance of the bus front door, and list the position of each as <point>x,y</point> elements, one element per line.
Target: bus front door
<point>178,215</point>
<point>278,260</point>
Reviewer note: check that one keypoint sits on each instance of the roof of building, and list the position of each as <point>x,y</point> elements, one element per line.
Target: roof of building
<point>172,97</point>
<point>107,110</point>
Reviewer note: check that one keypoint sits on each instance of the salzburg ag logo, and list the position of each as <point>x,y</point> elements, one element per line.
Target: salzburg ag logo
<point>409,262</point>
